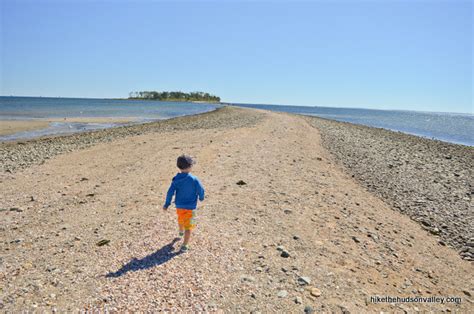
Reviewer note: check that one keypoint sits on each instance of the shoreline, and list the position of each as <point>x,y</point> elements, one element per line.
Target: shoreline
<point>416,135</point>
<point>63,195</point>
<point>39,124</point>
<point>466,141</point>
<point>426,179</point>
<point>20,154</point>
<point>13,126</point>
<point>8,127</point>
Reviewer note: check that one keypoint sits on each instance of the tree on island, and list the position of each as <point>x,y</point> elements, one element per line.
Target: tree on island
<point>174,96</point>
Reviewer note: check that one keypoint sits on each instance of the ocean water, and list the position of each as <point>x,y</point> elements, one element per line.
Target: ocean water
<point>33,108</point>
<point>449,127</point>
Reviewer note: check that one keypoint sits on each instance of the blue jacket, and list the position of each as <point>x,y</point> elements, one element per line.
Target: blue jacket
<point>188,188</point>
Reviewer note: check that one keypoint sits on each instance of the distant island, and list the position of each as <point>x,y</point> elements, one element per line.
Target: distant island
<point>174,96</point>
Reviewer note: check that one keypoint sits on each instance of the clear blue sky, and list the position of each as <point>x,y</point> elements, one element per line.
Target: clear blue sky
<point>372,54</point>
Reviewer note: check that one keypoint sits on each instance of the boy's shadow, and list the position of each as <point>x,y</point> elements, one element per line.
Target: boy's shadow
<point>155,259</point>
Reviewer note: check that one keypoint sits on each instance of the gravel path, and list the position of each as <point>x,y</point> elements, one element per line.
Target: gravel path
<point>300,234</point>
<point>431,181</point>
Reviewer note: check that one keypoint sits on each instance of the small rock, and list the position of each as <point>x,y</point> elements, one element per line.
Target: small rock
<point>285,254</point>
<point>298,300</point>
<point>103,242</point>
<point>247,278</point>
<point>295,237</point>
<point>304,280</point>
<point>16,209</point>
<point>315,292</point>
<point>84,179</point>
<point>425,223</point>
<point>356,239</point>
<point>466,292</point>
<point>287,211</point>
<point>241,182</point>
<point>308,309</point>
<point>282,294</point>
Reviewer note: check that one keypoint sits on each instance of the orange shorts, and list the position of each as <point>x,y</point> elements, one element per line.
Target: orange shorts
<point>186,218</point>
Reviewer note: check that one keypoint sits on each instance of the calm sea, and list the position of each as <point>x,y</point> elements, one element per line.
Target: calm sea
<point>449,127</point>
<point>32,108</point>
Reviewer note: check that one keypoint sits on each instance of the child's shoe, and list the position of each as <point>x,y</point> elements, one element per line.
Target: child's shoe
<point>181,234</point>
<point>184,248</point>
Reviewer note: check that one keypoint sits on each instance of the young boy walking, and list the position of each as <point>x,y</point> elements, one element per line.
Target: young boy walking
<point>188,190</point>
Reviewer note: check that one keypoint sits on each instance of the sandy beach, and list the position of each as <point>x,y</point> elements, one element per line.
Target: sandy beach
<point>306,231</point>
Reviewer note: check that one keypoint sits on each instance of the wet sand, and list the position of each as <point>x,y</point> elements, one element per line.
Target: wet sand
<point>8,127</point>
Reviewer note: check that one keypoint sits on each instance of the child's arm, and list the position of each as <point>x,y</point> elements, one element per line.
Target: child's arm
<point>200,190</point>
<point>169,196</point>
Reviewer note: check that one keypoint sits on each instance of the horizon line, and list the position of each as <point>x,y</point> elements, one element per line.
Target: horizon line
<point>256,104</point>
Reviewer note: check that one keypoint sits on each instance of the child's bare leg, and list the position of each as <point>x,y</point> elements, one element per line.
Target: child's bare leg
<point>181,228</point>
<point>187,236</point>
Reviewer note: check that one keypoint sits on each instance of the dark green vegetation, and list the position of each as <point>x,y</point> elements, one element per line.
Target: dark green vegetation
<point>174,96</point>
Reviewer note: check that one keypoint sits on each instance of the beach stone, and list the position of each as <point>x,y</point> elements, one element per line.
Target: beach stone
<point>282,294</point>
<point>356,239</point>
<point>435,231</point>
<point>103,242</point>
<point>287,211</point>
<point>247,278</point>
<point>285,254</point>
<point>241,182</point>
<point>298,300</point>
<point>308,309</point>
<point>315,292</point>
<point>304,281</point>
<point>426,177</point>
